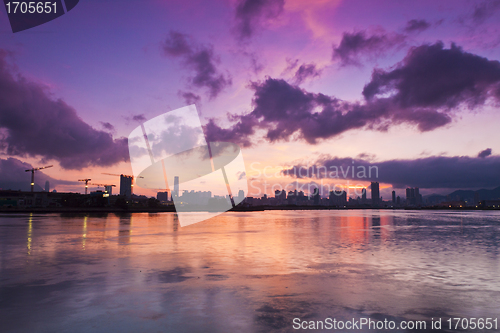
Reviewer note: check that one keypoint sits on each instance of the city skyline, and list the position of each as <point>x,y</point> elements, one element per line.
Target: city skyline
<point>294,83</point>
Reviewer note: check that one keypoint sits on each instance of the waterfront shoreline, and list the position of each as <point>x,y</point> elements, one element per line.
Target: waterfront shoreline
<point>171,209</point>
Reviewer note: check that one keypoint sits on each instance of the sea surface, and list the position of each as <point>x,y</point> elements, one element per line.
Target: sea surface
<point>247,271</point>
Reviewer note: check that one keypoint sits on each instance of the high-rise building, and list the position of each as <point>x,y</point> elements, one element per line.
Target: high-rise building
<point>126,186</point>
<point>338,198</point>
<point>393,197</point>
<point>47,186</point>
<point>413,196</point>
<point>375,193</point>
<point>176,187</point>
<point>315,196</point>
<point>241,195</point>
<point>108,189</point>
<point>162,196</point>
<point>363,195</point>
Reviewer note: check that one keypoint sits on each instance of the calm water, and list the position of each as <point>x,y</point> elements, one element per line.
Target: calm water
<point>245,272</point>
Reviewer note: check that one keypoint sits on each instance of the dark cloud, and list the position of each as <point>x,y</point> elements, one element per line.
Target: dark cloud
<point>422,90</point>
<point>34,124</point>
<point>431,76</point>
<point>303,72</point>
<point>357,45</point>
<point>285,111</point>
<point>139,118</point>
<point>107,126</point>
<point>484,153</point>
<point>416,26</point>
<point>306,71</point>
<point>485,10</point>
<point>251,14</point>
<point>239,133</point>
<point>14,177</point>
<point>431,172</point>
<point>189,97</point>
<point>198,58</point>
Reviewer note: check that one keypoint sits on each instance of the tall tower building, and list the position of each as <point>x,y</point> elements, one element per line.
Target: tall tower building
<point>47,186</point>
<point>126,186</point>
<point>363,195</point>
<point>241,195</point>
<point>393,197</point>
<point>176,187</point>
<point>375,193</point>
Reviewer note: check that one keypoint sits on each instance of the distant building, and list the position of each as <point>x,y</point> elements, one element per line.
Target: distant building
<point>198,197</point>
<point>176,187</point>
<point>489,204</point>
<point>47,186</point>
<point>363,195</point>
<point>280,196</point>
<point>241,195</point>
<point>315,196</point>
<point>413,196</point>
<point>126,186</point>
<point>108,189</point>
<point>393,197</point>
<point>338,198</point>
<point>375,193</point>
<point>162,196</point>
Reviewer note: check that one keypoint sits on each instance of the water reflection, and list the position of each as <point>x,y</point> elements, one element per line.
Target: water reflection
<point>30,232</point>
<point>248,272</point>
<point>84,234</point>
<point>125,230</point>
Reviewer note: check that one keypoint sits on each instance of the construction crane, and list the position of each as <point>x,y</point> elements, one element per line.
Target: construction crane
<point>104,185</point>
<point>33,175</point>
<point>122,175</point>
<point>86,180</point>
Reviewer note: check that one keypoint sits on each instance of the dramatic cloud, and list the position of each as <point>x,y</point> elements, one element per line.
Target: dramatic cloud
<point>430,172</point>
<point>357,45</point>
<point>198,58</point>
<point>14,177</point>
<point>251,14</point>
<point>484,153</point>
<point>239,133</point>
<point>422,90</point>
<point>433,77</point>
<point>287,111</point>
<point>416,26</point>
<point>34,124</point>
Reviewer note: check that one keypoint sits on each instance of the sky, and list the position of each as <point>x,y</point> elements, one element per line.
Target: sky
<point>412,88</point>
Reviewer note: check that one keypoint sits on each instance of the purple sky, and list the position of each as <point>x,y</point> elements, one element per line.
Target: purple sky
<point>412,87</point>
